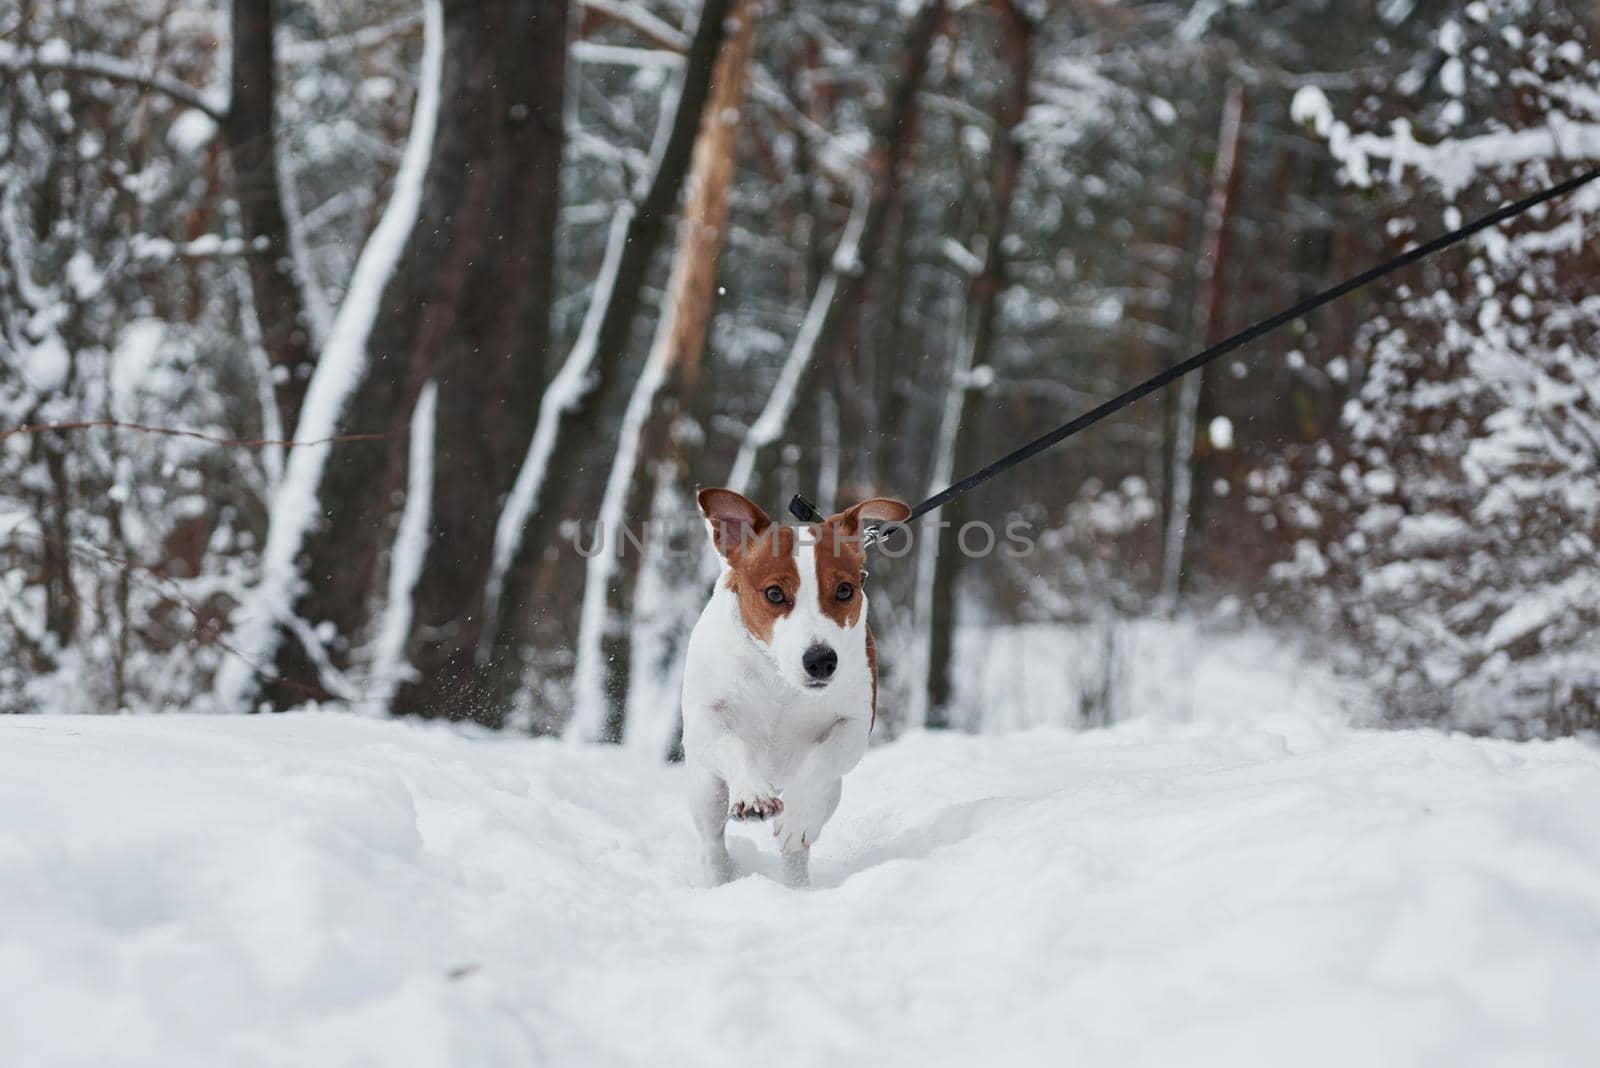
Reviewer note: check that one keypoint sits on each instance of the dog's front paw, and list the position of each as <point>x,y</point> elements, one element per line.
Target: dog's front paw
<point>755,804</point>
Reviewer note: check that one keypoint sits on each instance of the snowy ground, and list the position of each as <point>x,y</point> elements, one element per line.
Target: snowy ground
<point>1255,885</point>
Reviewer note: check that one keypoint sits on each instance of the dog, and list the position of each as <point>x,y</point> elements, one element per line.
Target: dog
<point>780,687</point>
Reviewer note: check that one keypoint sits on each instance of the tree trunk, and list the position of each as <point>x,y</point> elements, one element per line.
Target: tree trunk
<point>485,214</point>
<point>600,678</point>
<point>538,596</point>
<point>1017,32</point>
<point>251,131</point>
<point>489,359</point>
<point>61,608</point>
<point>1214,255</point>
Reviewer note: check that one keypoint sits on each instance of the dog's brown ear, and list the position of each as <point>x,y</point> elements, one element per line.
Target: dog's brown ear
<point>733,518</point>
<point>872,511</point>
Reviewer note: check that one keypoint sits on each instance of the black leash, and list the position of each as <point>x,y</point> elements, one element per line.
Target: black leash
<point>806,512</point>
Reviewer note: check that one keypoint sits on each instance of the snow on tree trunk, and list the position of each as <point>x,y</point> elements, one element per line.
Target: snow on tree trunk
<point>389,664</point>
<point>480,205</point>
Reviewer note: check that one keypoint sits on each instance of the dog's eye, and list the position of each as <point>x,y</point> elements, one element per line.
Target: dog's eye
<point>775,594</point>
<point>845,591</point>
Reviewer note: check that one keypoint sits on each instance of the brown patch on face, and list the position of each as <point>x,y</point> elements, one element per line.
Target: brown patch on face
<point>760,558</point>
<point>760,564</point>
<point>841,556</point>
<point>840,564</point>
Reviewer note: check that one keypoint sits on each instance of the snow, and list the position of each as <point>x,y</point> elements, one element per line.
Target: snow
<point>134,360</point>
<point>1310,107</point>
<point>1453,77</point>
<point>637,17</point>
<point>47,365</point>
<point>1455,164</point>
<point>319,307</point>
<point>1257,883</point>
<point>1220,432</point>
<point>1538,607</point>
<point>191,132</point>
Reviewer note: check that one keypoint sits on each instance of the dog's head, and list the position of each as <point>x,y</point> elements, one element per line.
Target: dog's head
<point>798,588</point>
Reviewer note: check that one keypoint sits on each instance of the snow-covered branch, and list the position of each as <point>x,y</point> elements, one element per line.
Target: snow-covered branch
<point>368,37</point>
<point>1453,163</point>
<point>640,21</point>
<point>619,56</point>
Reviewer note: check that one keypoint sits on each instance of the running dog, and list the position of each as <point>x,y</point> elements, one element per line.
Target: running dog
<point>780,687</point>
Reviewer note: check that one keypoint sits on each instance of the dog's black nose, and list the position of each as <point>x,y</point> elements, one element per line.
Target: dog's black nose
<point>820,662</point>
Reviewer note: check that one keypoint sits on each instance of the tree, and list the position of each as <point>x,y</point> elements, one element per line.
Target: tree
<point>491,370</point>
<point>1215,244</point>
<point>251,129</point>
<point>474,198</point>
<point>117,555</point>
<point>972,373</point>
<point>1455,537</point>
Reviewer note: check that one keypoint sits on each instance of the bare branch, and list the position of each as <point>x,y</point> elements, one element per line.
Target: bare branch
<point>243,443</point>
<point>111,69</point>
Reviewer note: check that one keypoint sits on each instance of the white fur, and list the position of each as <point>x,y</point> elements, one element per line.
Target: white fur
<point>752,729</point>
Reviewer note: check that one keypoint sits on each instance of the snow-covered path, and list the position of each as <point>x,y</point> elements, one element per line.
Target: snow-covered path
<point>326,890</point>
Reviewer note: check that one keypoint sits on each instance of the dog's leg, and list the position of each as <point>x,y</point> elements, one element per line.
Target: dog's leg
<point>839,749</point>
<point>708,804</point>
<point>713,744</point>
<point>797,867</point>
<point>807,807</point>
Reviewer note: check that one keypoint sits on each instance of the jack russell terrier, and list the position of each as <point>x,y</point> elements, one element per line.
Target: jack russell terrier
<point>780,687</point>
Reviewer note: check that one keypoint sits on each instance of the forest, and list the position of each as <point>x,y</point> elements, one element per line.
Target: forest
<point>369,355</point>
